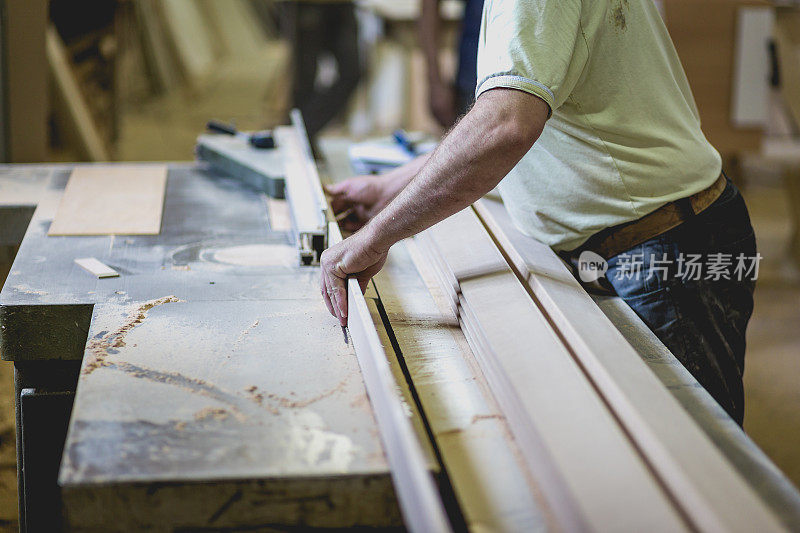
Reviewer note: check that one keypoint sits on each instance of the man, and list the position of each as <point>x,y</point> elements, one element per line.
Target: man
<point>320,27</point>
<point>620,167</point>
<point>448,101</point>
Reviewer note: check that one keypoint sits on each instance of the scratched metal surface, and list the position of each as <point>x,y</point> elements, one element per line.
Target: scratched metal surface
<point>215,234</point>
<point>261,400</point>
<point>173,391</point>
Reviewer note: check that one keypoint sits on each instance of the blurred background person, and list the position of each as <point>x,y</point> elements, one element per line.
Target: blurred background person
<point>450,98</point>
<point>319,30</point>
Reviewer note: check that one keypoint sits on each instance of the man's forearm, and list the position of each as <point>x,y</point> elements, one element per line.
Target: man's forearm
<point>469,162</point>
<point>397,179</point>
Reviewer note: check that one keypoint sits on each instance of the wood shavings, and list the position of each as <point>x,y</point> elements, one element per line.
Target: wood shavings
<point>105,343</point>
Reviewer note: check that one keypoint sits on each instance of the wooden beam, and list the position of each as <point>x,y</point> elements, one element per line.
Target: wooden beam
<point>592,476</point>
<point>706,487</point>
<point>419,498</point>
<point>482,460</point>
<point>78,116</point>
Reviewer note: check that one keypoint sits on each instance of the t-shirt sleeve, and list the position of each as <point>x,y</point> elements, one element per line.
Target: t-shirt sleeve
<point>529,45</point>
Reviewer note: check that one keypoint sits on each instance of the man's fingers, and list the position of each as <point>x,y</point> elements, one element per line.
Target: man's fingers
<point>325,295</point>
<point>338,290</point>
<point>339,204</point>
<point>335,188</point>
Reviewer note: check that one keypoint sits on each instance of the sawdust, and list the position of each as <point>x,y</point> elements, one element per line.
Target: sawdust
<point>495,416</point>
<point>25,289</point>
<point>213,413</point>
<point>105,343</point>
<point>252,392</point>
<point>243,336</point>
<point>192,385</point>
<point>291,403</point>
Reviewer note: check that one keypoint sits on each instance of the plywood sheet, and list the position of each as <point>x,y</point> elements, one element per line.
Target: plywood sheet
<point>112,200</point>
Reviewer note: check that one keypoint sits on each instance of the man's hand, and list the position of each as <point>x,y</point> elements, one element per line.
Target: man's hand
<point>471,160</point>
<point>356,257</point>
<point>364,195</point>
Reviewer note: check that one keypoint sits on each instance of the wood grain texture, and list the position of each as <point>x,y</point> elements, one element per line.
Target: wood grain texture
<point>706,487</point>
<point>419,498</point>
<point>112,200</point>
<point>484,465</point>
<point>591,474</point>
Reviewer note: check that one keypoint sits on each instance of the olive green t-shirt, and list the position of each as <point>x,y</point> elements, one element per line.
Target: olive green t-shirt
<point>624,136</point>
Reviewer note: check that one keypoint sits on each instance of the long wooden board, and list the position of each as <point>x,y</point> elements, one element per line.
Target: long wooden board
<point>590,472</point>
<point>112,200</point>
<point>417,494</point>
<point>68,95</point>
<point>482,460</point>
<point>706,487</point>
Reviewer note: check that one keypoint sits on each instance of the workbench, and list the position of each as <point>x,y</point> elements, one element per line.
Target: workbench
<point>215,391</point>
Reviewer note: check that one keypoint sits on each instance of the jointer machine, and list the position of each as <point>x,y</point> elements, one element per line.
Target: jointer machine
<point>206,388</point>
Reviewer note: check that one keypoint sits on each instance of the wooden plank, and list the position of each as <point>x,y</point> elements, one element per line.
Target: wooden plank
<point>68,92</point>
<point>708,490</point>
<point>189,31</point>
<point>484,465</point>
<point>760,472</point>
<point>592,476</point>
<point>419,498</point>
<point>154,45</point>
<point>236,26</point>
<point>96,268</point>
<point>112,200</point>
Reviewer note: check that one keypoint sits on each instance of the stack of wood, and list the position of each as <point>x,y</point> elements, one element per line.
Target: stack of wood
<point>81,56</point>
<point>599,432</point>
<point>168,61</point>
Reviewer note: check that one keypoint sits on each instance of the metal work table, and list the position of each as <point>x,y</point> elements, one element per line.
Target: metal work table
<point>197,331</point>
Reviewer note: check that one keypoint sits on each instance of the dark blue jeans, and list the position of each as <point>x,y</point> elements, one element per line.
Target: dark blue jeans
<point>699,312</point>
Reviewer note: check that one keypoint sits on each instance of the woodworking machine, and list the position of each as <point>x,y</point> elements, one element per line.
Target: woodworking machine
<point>300,184</point>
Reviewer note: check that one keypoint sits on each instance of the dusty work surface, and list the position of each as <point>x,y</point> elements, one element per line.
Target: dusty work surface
<point>215,388</point>
<point>20,189</point>
<point>223,392</point>
<point>215,244</point>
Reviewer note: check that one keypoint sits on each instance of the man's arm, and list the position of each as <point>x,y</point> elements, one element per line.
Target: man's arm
<point>469,162</point>
<point>366,196</point>
<point>441,95</point>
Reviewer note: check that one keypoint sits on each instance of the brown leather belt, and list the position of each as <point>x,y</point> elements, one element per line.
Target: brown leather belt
<point>615,240</point>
